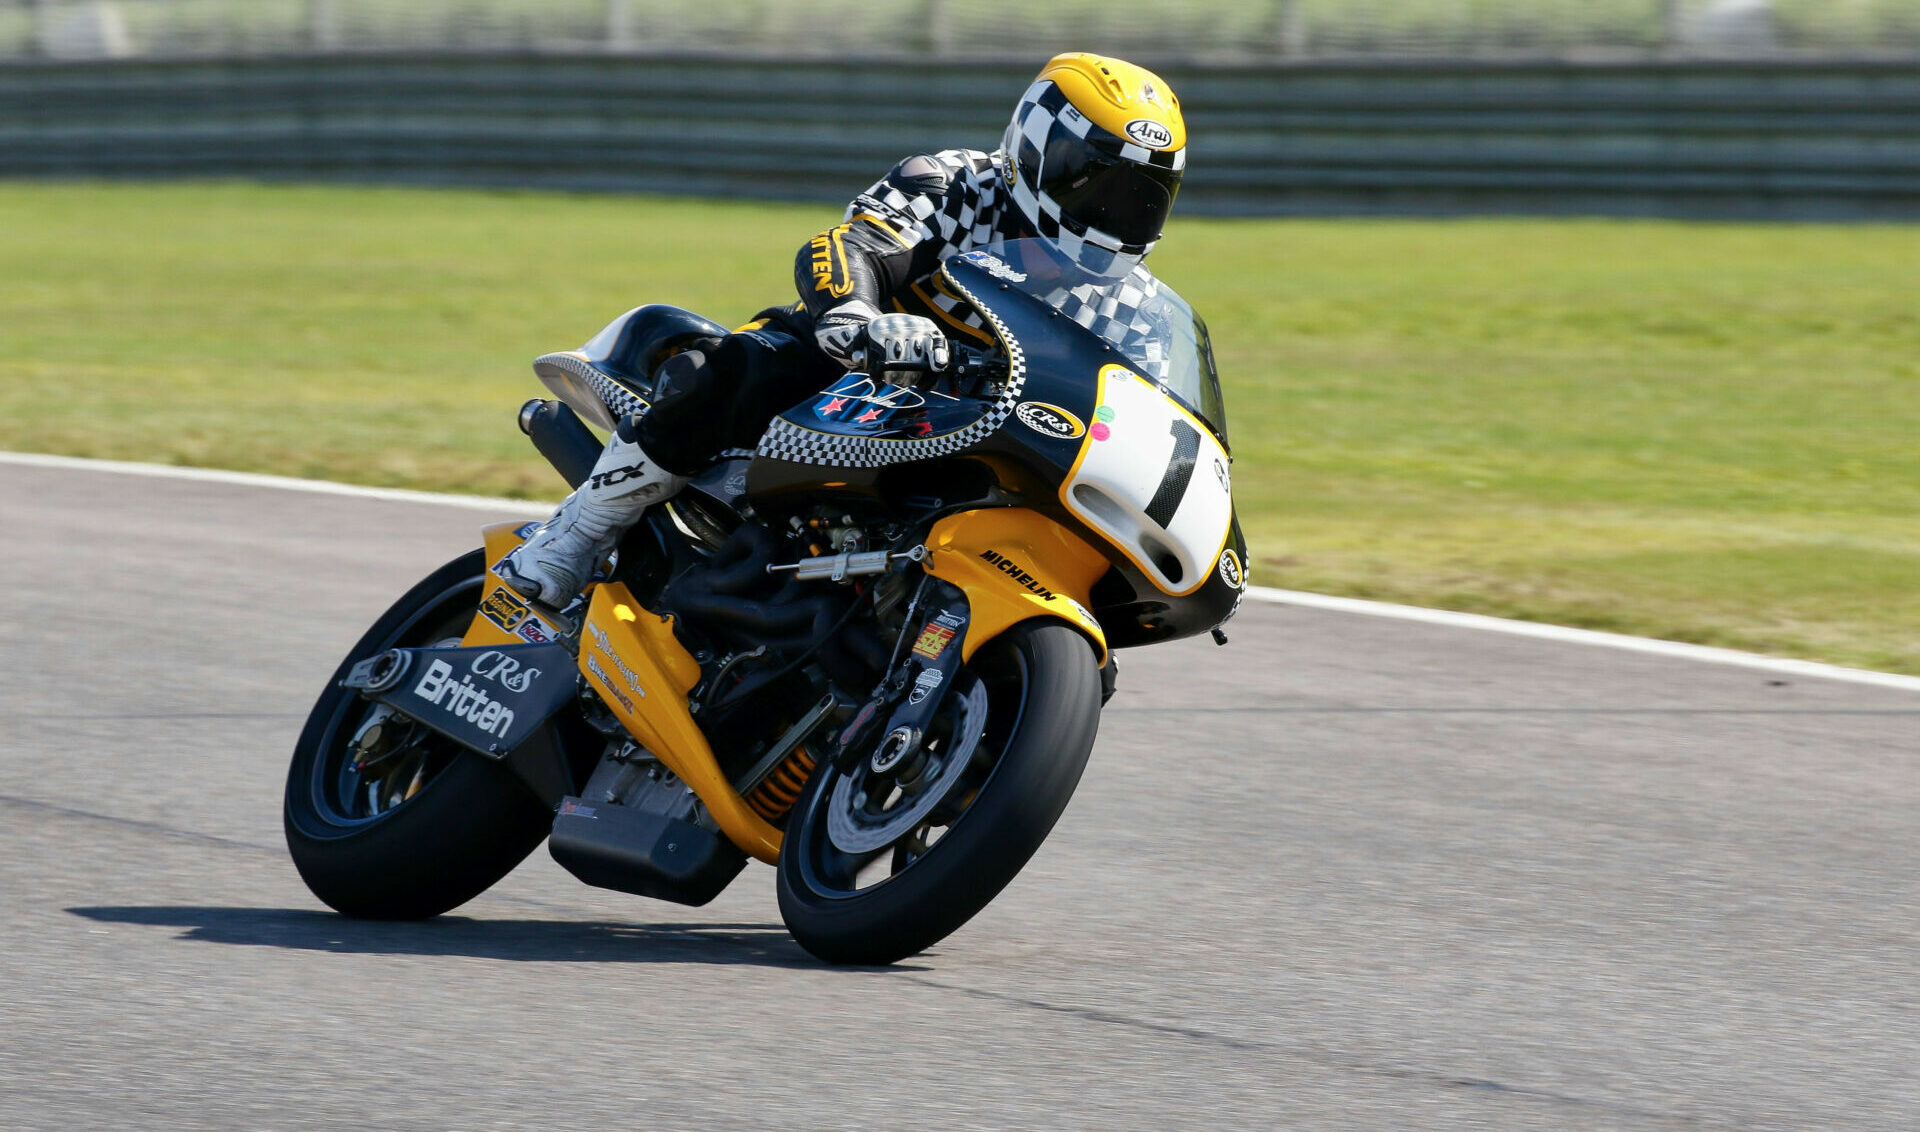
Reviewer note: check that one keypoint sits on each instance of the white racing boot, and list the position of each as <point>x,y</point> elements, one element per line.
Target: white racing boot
<point>554,564</point>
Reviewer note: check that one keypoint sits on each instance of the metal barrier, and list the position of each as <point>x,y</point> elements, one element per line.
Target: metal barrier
<point>1788,140</point>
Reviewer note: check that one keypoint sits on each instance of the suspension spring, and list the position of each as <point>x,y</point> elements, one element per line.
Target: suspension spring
<point>780,789</point>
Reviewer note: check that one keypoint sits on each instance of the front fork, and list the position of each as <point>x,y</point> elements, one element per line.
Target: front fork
<point>916,683</point>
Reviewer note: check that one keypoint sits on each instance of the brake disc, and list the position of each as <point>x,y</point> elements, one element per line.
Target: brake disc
<point>854,826</point>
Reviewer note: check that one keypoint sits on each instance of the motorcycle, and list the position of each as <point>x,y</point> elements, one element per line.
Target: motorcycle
<point>871,652</point>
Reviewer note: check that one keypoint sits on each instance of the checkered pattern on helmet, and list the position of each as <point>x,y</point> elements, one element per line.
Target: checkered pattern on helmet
<point>785,440</point>
<point>1043,107</point>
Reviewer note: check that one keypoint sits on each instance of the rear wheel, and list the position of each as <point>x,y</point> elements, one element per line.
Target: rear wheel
<point>891,857</point>
<point>386,819</point>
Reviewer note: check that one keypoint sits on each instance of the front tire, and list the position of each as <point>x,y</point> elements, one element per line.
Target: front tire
<point>1042,695</point>
<point>429,825</point>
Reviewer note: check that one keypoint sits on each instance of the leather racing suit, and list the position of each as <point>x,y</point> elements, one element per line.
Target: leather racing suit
<point>884,256</point>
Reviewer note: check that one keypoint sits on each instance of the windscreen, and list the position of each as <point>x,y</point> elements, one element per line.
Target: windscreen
<point>1151,326</point>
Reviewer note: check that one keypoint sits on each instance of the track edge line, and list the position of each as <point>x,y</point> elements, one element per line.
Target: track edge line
<point>1678,650</point>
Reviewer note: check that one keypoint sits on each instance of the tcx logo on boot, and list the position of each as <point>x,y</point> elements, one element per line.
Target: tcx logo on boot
<point>618,476</point>
<point>1016,573</point>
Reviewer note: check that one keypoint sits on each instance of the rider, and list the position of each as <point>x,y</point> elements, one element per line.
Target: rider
<point>1091,162</point>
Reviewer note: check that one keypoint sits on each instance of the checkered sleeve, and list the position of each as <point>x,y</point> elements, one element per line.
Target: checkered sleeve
<point>931,202</point>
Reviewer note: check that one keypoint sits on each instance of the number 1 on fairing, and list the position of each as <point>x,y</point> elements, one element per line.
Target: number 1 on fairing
<point>1173,485</point>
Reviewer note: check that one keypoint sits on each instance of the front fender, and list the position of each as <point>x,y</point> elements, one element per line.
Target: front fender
<point>1015,564</point>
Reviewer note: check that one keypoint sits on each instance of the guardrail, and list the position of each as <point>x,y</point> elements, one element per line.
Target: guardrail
<point>1787,140</point>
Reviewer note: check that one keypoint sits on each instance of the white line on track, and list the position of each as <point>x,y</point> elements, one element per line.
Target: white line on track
<point>284,483</point>
<point>1544,632</point>
<point>1475,621</point>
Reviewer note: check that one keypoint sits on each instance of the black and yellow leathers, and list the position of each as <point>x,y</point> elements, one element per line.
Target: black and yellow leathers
<point>883,257</point>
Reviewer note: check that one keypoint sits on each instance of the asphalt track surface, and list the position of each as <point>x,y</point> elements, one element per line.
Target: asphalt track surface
<point>1345,873</point>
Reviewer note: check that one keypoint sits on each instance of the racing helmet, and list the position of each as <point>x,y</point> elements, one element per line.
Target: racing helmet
<point>1093,159</point>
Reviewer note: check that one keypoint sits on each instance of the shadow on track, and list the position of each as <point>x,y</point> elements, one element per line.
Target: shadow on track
<point>536,941</point>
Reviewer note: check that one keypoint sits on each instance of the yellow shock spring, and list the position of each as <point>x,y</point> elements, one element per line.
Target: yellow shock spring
<point>780,789</point>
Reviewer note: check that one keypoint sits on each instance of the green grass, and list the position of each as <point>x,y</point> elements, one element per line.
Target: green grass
<point>1701,432</point>
<point>1159,34</point>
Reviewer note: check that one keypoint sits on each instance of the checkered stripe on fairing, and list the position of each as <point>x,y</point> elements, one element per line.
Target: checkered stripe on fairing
<point>784,440</point>
<point>1041,108</point>
<point>1232,610</point>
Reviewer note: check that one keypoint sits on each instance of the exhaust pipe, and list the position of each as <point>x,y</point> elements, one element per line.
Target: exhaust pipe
<point>560,435</point>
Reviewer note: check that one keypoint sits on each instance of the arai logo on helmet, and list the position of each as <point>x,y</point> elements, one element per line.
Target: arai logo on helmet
<point>1149,133</point>
<point>1049,419</point>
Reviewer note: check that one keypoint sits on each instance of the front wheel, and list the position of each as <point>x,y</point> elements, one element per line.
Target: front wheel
<point>893,856</point>
<point>385,818</point>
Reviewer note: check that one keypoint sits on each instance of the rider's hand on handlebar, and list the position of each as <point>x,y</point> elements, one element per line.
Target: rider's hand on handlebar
<point>906,345</point>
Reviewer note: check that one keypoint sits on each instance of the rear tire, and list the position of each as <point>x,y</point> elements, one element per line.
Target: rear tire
<point>466,823</point>
<point>1043,696</point>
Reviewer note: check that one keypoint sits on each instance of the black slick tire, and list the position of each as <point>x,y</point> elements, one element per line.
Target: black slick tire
<point>1039,765</point>
<point>470,824</point>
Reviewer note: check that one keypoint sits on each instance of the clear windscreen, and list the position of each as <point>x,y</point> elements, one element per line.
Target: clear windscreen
<point>1143,318</point>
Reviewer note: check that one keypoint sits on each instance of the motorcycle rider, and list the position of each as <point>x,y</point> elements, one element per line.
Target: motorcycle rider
<point>1091,162</point>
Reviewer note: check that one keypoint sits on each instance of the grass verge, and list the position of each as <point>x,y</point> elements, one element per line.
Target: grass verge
<point>1701,432</point>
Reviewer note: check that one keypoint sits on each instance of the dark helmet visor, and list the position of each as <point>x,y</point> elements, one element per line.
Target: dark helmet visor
<point>1125,199</point>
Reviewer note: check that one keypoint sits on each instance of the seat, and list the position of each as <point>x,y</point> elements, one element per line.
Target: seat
<point>612,375</point>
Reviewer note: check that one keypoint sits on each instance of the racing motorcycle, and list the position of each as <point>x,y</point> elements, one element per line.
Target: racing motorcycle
<point>871,652</point>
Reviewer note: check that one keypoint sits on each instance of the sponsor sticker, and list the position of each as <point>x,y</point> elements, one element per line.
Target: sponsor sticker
<point>1149,133</point>
<point>924,685</point>
<point>577,808</point>
<point>606,646</point>
<point>1220,473</point>
<point>534,631</point>
<point>1230,571</point>
<point>525,530</point>
<point>995,266</point>
<point>503,670</point>
<point>933,641</point>
<point>1012,570</point>
<point>606,682</point>
<point>504,609</point>
<point>1050,420</point>
<point>463,699</point>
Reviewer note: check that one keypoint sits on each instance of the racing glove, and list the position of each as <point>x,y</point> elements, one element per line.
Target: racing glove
<point>906,343</point>
<point>861,338</point>
<point>842,332</point>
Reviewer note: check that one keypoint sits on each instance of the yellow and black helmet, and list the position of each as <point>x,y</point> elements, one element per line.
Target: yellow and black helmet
<point>1093,158</point>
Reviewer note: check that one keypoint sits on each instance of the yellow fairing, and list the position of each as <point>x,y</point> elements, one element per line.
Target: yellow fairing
<point>1111,93</point>
<point>643,675</point>
<point>1015,565</point>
